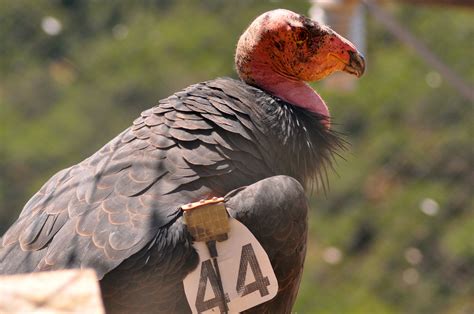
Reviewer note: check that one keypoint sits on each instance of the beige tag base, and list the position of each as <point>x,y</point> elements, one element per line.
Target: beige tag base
<point>247,275</point>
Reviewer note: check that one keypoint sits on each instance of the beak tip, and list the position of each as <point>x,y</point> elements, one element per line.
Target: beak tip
<point>356,64</point>
<point>359,63</point>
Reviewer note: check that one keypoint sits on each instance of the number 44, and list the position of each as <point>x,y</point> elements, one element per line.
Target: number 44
<point>208,274</point>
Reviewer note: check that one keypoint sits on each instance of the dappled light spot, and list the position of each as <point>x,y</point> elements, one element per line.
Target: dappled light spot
<point>51,25</point>
<point>433,79</point>
<point>411,276</point>
<point>429,207</point>
<point>413,256</point>
<point>332,255</point>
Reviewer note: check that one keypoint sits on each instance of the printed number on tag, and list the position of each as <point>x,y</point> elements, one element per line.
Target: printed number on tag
<point>245,269</point>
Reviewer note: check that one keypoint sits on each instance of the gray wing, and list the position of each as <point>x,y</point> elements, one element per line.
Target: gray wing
<point>195,144</point>
<point>275,211</point>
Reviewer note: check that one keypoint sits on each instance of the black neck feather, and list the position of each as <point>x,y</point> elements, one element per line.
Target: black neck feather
<point>302,147</point>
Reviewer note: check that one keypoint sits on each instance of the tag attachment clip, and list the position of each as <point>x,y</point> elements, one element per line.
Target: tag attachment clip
<point>207,220</point>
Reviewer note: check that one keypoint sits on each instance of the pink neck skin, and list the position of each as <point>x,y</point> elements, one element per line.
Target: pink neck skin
<point>293,91</point>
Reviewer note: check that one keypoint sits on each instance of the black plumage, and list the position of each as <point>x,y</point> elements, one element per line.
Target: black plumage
<point>118,210</point>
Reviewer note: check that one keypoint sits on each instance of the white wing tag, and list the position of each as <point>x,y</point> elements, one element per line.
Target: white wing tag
<point>244,267</point>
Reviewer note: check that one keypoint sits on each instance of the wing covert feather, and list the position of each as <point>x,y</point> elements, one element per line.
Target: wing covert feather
<point>196,143</point>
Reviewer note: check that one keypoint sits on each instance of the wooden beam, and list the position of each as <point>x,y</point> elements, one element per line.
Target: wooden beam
<point>464,3</point>
<point>405,36</point>
<point>64,291</point>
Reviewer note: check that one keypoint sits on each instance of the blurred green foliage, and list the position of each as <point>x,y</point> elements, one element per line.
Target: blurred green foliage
<point>395,233</point>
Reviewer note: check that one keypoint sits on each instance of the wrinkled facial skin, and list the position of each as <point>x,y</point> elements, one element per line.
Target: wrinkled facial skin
<point>301,50</point>
<point>295,47</point>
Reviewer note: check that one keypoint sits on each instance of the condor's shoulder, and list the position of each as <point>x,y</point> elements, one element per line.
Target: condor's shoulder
<point>199,141</point>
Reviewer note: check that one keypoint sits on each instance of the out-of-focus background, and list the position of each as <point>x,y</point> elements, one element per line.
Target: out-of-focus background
<point>395,232</point>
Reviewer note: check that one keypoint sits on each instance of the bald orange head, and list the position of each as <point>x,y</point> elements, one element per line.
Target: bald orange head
<point>281,48</point>
<point>295,46</point>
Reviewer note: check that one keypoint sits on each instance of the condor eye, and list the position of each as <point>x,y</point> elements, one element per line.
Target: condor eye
<point>301,36</point>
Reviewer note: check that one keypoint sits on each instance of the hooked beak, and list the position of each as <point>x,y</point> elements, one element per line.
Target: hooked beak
<point>356,64</point>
